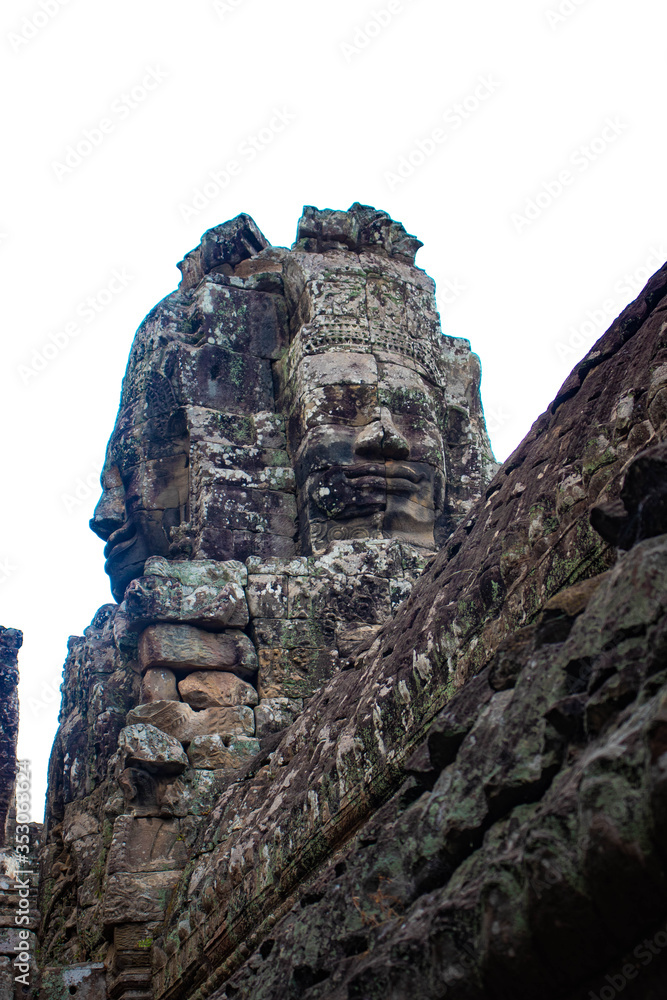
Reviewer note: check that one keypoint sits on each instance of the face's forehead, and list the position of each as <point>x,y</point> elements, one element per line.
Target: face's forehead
<point>363,375</point>
<point>404,390</point>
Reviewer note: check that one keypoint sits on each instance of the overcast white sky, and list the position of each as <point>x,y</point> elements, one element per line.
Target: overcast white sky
<point>522,142</point>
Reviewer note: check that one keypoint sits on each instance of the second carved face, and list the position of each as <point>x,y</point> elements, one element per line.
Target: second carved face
<point>367,449</point>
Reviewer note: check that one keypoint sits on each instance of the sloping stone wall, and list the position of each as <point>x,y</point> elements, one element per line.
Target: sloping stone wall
<point>310,771</point>
<point>294,438</point>
<point>527,542</point>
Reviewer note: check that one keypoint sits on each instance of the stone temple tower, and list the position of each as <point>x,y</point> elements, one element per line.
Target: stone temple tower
<point>296,438</point>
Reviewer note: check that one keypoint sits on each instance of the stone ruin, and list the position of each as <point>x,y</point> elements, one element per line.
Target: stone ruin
<point>370,718</point>
<point>295,438</point>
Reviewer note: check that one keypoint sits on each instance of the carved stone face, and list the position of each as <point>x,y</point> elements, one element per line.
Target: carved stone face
<point>206,462</point>
<point>145,487</point>
<point>369,457</point>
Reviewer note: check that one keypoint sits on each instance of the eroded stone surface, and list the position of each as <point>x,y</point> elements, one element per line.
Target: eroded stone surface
<point>150,747</point>
<point>179,647</point>
<point>212,689</point>
<point>539,811</point>
<point>450,782</point>
<point>214,752</point>
<point>159,684</point>
<point>10,643</point>
<point>183,723</point>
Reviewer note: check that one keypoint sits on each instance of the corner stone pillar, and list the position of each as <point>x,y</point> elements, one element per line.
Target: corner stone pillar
<point>10,643</point>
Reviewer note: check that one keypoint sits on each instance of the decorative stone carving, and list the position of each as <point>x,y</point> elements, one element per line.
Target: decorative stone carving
<point>295,438</point>
<point>179,647</point>
<point>181,721</point>
<point>210,689</point>
<point>159,684</point>
<point>151,748</point>
<point>213,752</point>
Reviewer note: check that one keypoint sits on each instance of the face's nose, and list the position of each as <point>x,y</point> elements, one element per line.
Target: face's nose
<point>382,439</point>
<point>109,515</point>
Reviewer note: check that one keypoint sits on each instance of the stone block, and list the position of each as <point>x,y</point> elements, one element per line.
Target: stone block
<point>296,566</point>
<point>10,938</point>
<point>152,599</point>
<point>213,753</point>
<point>249,508</point>
<point>237,721</point>
<point>267,595</point>
<point>146,845</point>
<point>294,673</point>
<point>274,714</point>
<point>355,637</point>
<point>198,572</point>
<point>159,684</point>
<point>364,598</point>
<point>230,243</point>
<point>136,898</point>
<point>251,322</point>
<point>224,543</point>
<point>181,647</point>
<point>182,722</point>
<point>145,745</point>
<point>220,379</point>
<point>294,633</point>
<point>85,981</point>
<point>214,689</point>
<point>260,468</point>
<point>138,791</point>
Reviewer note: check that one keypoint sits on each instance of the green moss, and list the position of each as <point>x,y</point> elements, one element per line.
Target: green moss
<point>236,370</point>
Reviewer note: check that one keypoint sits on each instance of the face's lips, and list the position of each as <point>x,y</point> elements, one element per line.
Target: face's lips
<point>394,477</point>
<point>120,540</point>
<point>397,484</point>
<point>404,472</point>
<point>364,472</point>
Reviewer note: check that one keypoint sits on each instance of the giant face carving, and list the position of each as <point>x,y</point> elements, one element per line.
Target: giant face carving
<point>145,484</point>
<point>206,463</point>
<point>196,467</point>
<point>369,452</point>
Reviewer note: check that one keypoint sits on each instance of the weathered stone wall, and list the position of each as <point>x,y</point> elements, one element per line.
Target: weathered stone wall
<point>536,759</point>
<point>10,643</point>
<point>310,771</point>
<point>20,840</point>
<point>245,577</point>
